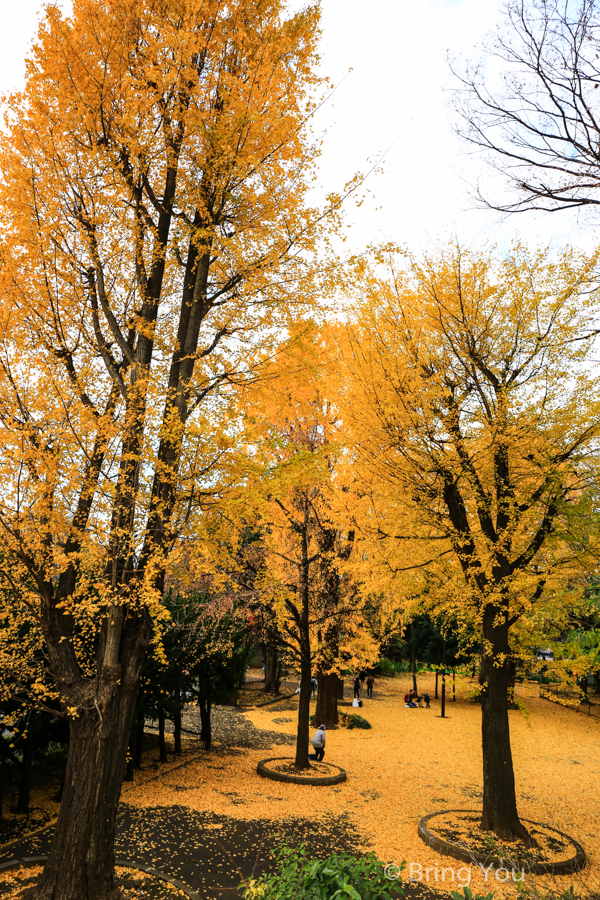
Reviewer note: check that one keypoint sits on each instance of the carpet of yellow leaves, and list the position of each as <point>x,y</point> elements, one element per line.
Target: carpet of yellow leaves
<point>411,763</point>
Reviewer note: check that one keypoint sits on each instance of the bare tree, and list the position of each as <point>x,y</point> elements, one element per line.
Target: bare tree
<point>539,121</point>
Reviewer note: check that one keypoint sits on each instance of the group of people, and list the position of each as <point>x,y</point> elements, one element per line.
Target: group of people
<point>359,681</point>
<point>413,699</point>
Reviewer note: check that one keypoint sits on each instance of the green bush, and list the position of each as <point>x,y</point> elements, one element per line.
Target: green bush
<point>351,720</point>
<point>334,878</point>
<point>387,667</point>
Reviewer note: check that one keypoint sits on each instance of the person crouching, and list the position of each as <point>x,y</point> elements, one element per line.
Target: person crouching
<point>318,743</point>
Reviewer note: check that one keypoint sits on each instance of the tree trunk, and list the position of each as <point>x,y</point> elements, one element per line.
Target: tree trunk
<point>327,697</point>
<point>85,831</point>
<point>499,796</point>
<point>413,656</point>
<point>134,736</point>
<point>25,780</point>
<point>272,683</point>
<point>162,744</point>
<point>139,739</point>
<point>303,734</point>
<point>305,660</point>
<point>205,723</point>
<point>436,684</point>
<point>177,731</point>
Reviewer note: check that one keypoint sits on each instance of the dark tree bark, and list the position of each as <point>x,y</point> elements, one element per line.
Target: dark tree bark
<point>139,739</point>
<point>85,830</point>
<point>132,752</point>
<point>162,744</point>
<point>272,666</point>
<point>326,712</point>
<point>499,795</point>
<point>177,731</point>
<point>204,705</point>
<point>302,738</point>
<point>413,656</point>
<point>25,780</point>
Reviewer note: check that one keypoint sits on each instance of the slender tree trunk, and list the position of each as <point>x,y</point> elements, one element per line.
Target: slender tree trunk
<point>162,744</point>
<point>85,830</point>
<point>205,726</point>
<point>25,780</point>
<point>413,656</point>
<point>436,684</point>
<point>305,660</point>
<point>139,739</point>
<point>177,731</point>
<point>327,699</point>
<point>499,796</point>
<point>132,753</point>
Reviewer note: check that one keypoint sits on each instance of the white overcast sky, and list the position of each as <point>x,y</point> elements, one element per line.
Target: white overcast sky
<point>394,95</point>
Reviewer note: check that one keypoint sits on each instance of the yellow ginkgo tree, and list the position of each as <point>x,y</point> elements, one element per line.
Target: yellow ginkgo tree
<point>155,234</point>
<point>474,412</point>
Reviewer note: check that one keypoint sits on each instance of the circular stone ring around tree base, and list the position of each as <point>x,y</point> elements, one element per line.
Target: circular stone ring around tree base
<point>561,867</point>
<point>267,768</point>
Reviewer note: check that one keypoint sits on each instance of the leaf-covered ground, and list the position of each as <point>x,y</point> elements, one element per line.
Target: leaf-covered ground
<point>207,817</point>
<point>409,764</point>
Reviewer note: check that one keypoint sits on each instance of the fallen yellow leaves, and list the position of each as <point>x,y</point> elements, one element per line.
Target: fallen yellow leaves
<point>410,764</point>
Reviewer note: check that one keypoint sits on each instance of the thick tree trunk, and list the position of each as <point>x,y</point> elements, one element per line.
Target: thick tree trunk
<point>25,780</point>
<point>327,699</point>
<point>85,831</point>
<point>499,796</point>
<point>272,681</point>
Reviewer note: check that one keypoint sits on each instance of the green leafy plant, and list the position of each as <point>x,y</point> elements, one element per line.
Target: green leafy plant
<point>468,894</point>
<point>338,877</point>
<point>351,720</point>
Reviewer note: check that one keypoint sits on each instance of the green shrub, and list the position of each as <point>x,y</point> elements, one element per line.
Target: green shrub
<point>387,667</point>
<point>334,878</point>
<point>468,894</point>
<point>351,720</point>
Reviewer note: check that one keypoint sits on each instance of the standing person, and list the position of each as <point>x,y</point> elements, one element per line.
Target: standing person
<point>427,700</point>
<point>313,686</point>
<point>370,683</point>
<point>318,742</point>
<point>356,686</point>
<point>362,675</point>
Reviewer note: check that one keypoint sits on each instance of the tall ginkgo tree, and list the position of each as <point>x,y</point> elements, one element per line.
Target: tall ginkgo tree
<point>154,235</point>
<point>291,438</point>
<point>474,410</point>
